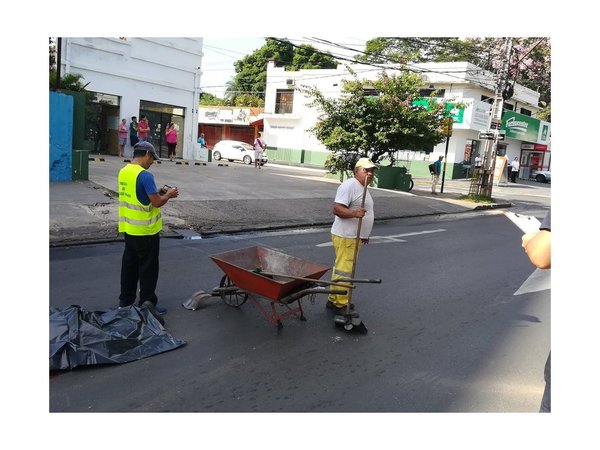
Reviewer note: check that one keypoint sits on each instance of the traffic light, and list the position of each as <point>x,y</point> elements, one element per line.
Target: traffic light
<point>446,128</point>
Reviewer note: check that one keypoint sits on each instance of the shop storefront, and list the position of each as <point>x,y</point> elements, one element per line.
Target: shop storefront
<point>535,138</point>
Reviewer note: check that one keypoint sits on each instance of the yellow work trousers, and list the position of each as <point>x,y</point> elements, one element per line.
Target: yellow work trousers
<point>344,256</point>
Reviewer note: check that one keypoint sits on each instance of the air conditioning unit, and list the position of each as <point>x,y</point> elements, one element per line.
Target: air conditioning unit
<point>289,82</point>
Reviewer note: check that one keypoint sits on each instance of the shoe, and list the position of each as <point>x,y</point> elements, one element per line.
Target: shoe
<point>161,310</point>
<point>150,307</point>
<point>331,305</point>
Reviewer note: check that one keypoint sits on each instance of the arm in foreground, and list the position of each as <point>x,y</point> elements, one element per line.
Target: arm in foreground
<point>538,248</point>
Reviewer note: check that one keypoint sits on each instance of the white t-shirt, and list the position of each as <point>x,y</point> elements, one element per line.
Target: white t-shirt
<point>257,146</point>
<point>515,165</point>
<point>349,194</point>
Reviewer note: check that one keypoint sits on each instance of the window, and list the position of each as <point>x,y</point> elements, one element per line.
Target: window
<point>525,112</point>
<point>284,101</point>
<point>508,106</point>
<point>436,92</point>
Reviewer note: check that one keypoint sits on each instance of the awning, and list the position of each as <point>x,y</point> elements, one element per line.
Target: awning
<point>257,123</point>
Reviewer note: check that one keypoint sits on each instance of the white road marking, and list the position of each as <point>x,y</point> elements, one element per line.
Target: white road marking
<point>539,280</point>
<point>390,238</point>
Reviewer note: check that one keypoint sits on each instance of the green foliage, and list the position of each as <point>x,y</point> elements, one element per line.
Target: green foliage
<point>250,81</point>
<point>545,114</point>
<point>375,125</point>
<point>529,63</point>
<point>477,198</point>
<point>208,99</point>
<point>69,82</point>
<point>249,100</point>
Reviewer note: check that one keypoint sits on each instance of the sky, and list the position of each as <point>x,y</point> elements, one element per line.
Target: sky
<point>221,52</point>
<point>219,55</point>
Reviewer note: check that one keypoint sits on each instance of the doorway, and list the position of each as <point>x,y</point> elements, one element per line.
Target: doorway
<point>159,115</point>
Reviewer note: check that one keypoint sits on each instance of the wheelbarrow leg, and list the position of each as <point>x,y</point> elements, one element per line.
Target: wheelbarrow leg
<point>276,317</point>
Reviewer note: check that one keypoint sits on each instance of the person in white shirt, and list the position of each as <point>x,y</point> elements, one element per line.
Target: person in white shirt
<point>259,148</point>
<point>514,171</point>
<point>347,210</point>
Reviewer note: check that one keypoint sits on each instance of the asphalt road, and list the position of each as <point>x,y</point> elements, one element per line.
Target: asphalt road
<point>446,332</point>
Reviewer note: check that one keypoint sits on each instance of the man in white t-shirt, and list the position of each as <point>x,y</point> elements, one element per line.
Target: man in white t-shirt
<point>259,148</point>
<point>347,210</point>
<point>514,170</point>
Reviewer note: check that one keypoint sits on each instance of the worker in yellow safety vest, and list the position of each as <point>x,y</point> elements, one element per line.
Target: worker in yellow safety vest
<point>140,221</point>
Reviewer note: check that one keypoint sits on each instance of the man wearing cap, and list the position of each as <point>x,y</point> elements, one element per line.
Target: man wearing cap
<point>347,211</point>
<point>140,222</point>
<point>437,170</point>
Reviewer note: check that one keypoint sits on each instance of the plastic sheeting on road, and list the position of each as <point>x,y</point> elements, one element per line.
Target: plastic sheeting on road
<point>79,337</point>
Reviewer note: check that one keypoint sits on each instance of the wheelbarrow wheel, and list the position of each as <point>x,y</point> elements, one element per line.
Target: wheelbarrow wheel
<point>235,299</point>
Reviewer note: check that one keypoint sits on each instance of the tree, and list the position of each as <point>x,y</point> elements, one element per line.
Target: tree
<point>529,63</point>
<point>208,99</point>
<point>378,125</point>
<point>251,71</point>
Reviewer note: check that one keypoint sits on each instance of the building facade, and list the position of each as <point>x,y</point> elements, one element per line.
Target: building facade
<point>228,123</point>
<point>288,118</point>
<point>156,77</point>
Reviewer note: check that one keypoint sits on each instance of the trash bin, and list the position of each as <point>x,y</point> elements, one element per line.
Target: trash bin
<point>386,177</point>
<point>403,182</point>
<point>81,165</point>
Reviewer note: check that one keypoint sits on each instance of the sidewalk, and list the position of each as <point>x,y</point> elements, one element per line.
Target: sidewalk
<point>222,199</point>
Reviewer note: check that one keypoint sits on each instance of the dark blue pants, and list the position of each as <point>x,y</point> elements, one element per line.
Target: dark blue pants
<point>139,264</point>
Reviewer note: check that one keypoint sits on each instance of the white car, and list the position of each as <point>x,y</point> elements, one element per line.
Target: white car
<point>236,151</point>
<point>541,176</point>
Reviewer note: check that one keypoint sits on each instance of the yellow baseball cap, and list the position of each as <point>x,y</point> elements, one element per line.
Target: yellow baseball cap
<point>365,163</point>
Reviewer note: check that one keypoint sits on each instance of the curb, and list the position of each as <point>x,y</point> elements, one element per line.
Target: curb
<point>169,233</point>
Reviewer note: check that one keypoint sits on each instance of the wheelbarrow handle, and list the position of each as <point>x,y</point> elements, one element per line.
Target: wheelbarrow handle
<point>312,280</point>
<point>361,280</point>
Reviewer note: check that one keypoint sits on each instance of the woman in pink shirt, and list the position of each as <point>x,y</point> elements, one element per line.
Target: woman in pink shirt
<point>123,132</point>
<point>171,135</point>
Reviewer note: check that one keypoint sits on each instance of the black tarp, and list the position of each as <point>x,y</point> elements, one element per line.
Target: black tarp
<point>79,337</point>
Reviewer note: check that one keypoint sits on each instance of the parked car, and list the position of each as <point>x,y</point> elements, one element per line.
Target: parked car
<point>236,151</point>
<point>541,176</point>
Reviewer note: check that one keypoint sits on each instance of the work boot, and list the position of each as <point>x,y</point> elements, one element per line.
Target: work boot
<point>150,307</point>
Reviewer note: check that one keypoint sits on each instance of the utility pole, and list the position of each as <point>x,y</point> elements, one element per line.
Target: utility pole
<point>447,130</point>
<point>483,181</point>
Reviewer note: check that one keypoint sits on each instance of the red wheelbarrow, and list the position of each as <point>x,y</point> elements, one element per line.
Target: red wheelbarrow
<point>257,273</point>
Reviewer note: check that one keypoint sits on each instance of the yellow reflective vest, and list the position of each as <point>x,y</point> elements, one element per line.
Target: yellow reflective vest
<point>134,217</point>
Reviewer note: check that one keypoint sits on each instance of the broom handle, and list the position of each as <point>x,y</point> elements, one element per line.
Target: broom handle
<point>362,205</point>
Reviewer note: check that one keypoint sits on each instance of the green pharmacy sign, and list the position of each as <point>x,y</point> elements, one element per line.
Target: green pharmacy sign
<point>519,126</point>
<point>455,112</point>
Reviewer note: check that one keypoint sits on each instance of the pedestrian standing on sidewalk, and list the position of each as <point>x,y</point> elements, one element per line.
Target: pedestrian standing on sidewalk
<point>514,171</point>
<point>133,131</point>
<point>140,221</point>
<point>437,170</point>
<point>259,148</point>
<point>143,128</point>
<point>538,248</point>
<point>201,140</point>
<point>171,135</point>
<point>347,211</point>
<point>123,132</point>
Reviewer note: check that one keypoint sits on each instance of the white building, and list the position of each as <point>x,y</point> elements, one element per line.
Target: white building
<point>287,116</point>
<point>156,77</point>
